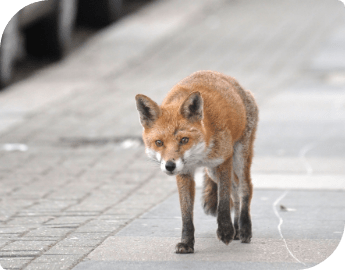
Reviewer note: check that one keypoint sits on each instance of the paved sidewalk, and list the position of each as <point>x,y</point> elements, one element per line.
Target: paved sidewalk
<point>149,241</point>
<point>82,194</point>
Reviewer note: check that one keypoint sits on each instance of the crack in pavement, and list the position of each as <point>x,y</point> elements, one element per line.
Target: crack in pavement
<point>280,224</point>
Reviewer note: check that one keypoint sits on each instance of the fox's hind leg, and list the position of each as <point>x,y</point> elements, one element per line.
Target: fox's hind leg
<point>223,172</point>
<point>236,205</point>
<point>209,196</point>
<point>243,154</point>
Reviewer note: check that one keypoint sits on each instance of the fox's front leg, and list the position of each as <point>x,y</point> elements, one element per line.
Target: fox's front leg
<point>225,231</point>
<point>186,190</point>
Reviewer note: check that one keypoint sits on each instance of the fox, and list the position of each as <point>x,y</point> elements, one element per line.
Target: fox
<point>206,120</point>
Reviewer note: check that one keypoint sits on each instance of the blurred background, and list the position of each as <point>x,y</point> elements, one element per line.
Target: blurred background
<point>73,170</point>
<point>47,31</point>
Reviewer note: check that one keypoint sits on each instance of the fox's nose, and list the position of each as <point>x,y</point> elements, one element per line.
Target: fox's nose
<point>170,166</point>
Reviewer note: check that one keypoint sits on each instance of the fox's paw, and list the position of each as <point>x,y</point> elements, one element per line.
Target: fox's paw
<point>245,235</point>
<point>225,234</point>
<point>184,248</point>
<point>245,230</point>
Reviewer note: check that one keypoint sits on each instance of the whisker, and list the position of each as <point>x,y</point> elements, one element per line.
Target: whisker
<point>153,161</point>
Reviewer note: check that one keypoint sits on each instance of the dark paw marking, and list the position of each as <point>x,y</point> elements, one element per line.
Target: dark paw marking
<point>226,235</point>
<point>245,228</point>
<point>182,248</point>
<point>245,235</point>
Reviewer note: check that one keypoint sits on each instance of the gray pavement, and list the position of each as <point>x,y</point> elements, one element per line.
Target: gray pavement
<point>311,235</point>
<point>76,188</point>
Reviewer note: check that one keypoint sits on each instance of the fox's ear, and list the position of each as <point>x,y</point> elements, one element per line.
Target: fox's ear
<point>192,107</point>
<point>148,110</point>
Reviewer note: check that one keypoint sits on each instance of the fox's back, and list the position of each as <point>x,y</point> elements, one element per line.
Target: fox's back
<point>222,96</point>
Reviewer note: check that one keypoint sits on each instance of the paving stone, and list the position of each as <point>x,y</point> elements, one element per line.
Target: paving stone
<point>50,232</point>
<point>33,245</point>
<point>85,214</point>
<point>29,221</point>
<point>100,236</point>
<point>50,205</point>
<point>79,242</point>
<point>54,262</point>
<point>99,225</point>
<point>65,250</point>
<point>12,229</point>
<point>4,242</point>
<point>65,221</point>
<point>14,263</point>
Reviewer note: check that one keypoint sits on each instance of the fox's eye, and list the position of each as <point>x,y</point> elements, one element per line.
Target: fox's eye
<point>159,143</point>
<point>184,140</point>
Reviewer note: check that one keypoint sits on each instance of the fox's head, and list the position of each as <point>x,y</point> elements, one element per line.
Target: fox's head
<point>173,134</point>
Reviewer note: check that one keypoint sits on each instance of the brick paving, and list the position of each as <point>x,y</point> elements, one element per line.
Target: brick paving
<point>77,184</point>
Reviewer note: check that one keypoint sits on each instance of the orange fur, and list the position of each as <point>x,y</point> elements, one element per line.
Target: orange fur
<point>219,119</point>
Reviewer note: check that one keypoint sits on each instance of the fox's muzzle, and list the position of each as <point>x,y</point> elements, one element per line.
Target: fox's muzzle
<point>170,166</point>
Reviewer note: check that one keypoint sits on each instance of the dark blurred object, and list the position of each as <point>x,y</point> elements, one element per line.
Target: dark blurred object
<point>50,34</point>
<point>42,29</point>
<point>98,13</point>
<point>45,29</point>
